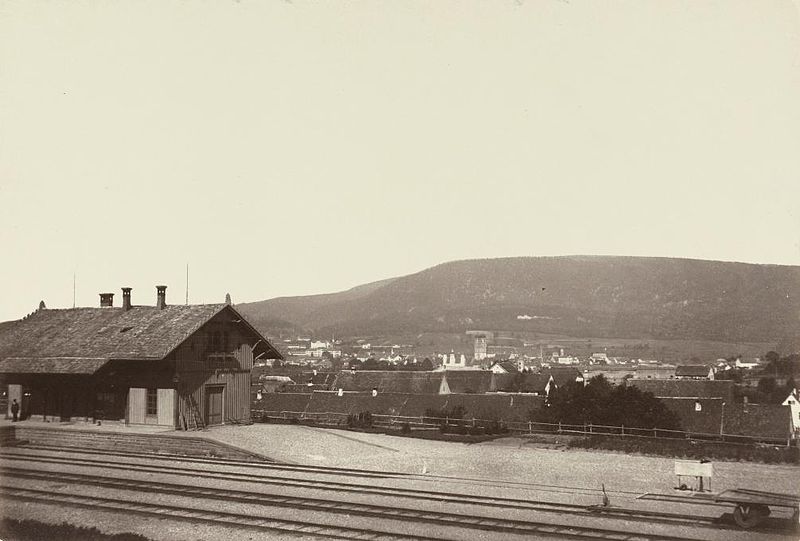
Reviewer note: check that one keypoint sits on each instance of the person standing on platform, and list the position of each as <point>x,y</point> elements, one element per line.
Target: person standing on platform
<point>14,410</point>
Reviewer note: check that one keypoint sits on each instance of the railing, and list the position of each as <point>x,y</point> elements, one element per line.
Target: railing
<point>340,420</point>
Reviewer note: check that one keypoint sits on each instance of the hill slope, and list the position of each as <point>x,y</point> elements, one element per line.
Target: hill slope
<point>575,295</point>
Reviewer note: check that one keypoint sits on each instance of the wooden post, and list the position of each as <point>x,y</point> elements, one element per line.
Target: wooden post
<point>559,427</point>
<point>623,430</point>
<point>530,430</point>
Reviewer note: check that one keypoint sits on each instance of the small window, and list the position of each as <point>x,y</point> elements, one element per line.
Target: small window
<point>152,401</point>
<point>698,406</point>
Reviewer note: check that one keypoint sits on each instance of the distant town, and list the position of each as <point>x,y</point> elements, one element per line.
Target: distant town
<point>748,397</point>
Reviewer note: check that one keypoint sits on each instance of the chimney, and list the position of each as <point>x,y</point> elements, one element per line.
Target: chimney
<point>161,298</point>
<point>126,298</point>
<point>106,300</point>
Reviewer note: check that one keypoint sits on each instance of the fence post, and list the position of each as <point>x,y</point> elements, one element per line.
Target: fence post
<point>590,428</point>
<point>655,432</point>
<point>530,430</point>
<point>559,427</point>
<point>623,430</point>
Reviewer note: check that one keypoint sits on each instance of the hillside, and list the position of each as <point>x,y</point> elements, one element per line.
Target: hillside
<point>584,296</point>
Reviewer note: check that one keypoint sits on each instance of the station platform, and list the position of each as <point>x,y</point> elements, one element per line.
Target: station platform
<point>118,437</point>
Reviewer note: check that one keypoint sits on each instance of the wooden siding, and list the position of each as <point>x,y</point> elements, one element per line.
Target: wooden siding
<point>201,362</point>
<point>137,405</point>
<point>166,407</point>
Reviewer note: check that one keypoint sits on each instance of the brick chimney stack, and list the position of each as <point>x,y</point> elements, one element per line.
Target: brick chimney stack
<point>106,300</point>
<point>161,297</point>
<point>126,298</point>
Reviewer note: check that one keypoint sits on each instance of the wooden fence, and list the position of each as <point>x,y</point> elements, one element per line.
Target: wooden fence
<point>342,420</point>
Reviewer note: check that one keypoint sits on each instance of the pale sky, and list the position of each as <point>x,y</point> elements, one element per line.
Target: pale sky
<point>292,147</point>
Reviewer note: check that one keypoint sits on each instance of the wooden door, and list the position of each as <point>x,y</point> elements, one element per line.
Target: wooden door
<point>214,405</point>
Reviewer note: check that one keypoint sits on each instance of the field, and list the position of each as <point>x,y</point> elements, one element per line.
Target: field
<point>427,344</point>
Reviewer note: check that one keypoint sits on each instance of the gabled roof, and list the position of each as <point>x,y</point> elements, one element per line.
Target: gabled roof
<point>80,340</point>
<point>563,376</point>
<point>708,420</point>
<point>469,381</point>
<point>686,388</point>
<point>692,370</point>
<point>389,381</point>
<point>508,366</point>
<point>522,383</point>
<point>758,420</point>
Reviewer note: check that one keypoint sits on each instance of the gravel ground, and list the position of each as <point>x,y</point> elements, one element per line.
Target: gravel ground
<point>506,459</point>
<point>170,529</point>
<point>510,467</point>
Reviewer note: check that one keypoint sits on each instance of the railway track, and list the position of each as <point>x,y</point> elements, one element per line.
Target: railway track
<point>218,518</point>
<point>254,521</point>
<point>360,489</point>
<point>269,465</point>
<point>520,527</point>
<point>326,505</point>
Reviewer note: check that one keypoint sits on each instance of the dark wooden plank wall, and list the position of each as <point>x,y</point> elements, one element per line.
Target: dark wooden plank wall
<point>197,367</point>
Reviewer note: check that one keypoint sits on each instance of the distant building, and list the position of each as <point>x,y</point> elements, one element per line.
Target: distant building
<point>658,371</point>
<point>694,371</point>
<point>686,388</point>
<point>738,363</point>
<point>599,358</point>
<point>615,374</point>
<point>455,361</point>
<point>480,348</point>
<point>528,383</point>
<point>563,376</point>
<point>793,401</point>
<point>504,367</point>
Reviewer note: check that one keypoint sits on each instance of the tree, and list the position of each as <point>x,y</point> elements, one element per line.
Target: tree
<point>426,364</point>
<point>601,403</point>
<point>370,364</point>
<point>228,299</point>
<point>766,389</point>
<point>355,364</point>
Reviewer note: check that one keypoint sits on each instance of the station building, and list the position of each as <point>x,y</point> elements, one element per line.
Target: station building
<point>182,366</point>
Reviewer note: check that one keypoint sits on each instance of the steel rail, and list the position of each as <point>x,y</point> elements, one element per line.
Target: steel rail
<point>526,528</point>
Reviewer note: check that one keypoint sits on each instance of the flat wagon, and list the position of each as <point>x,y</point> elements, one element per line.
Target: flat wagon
<point>753,506</point>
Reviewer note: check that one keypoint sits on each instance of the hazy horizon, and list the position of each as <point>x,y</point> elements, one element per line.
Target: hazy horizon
<point>293,148</point>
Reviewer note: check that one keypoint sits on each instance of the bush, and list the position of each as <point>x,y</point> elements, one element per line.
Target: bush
<point>361,420</point>
<point>33,530</point>
<point>693,449</point>
<point>600,403</point>
<point>456,412</point>
<point>405,428</point>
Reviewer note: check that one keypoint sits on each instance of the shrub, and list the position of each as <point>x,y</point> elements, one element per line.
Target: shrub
<point>361,420</point>
<point>33,530</point>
